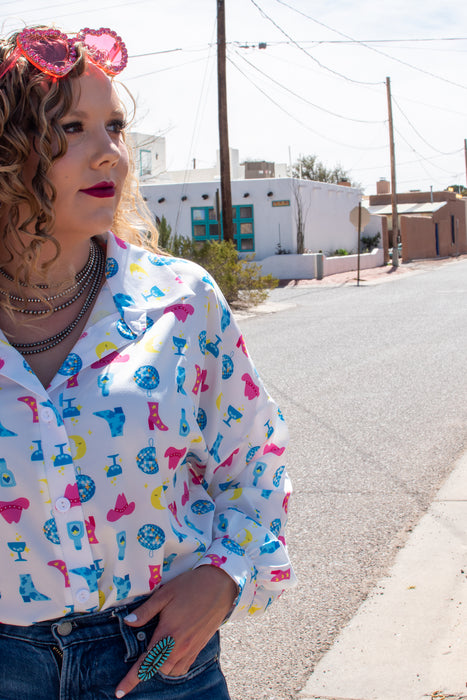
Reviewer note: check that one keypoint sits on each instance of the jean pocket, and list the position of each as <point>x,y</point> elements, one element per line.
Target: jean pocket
<point>207,657</point>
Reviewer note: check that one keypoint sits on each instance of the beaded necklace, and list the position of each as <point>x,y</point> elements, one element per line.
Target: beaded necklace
<point>48,343</point>
<point>81,278</point>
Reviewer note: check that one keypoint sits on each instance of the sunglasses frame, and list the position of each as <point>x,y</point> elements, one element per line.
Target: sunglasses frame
<point>95,55</point>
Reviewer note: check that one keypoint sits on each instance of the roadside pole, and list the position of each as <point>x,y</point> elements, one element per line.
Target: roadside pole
<point>395,220</point>
<point>226,190</point>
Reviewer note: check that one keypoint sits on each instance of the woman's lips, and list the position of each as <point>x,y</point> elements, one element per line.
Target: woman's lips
<point>102,189</point>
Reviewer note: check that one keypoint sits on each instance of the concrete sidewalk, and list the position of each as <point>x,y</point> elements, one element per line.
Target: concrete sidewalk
<point>408,640</point>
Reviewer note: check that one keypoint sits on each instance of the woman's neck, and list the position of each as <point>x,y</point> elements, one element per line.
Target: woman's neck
<point>70,260</point>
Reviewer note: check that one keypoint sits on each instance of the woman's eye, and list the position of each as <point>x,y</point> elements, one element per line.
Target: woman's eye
<point>72,128</point>
<point>117,126</point>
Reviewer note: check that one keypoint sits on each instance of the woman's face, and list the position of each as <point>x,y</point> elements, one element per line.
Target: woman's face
<point>89,178</point>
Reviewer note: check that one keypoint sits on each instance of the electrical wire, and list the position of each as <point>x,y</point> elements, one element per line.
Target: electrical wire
<point>411,162</point>
<point>197,123</point>
<point>422,158</point>
<point>444,153</point>
<point>371,48</point>
<point>304,99</point>
<point>298,46</point>
<point>163,70</point>
<point>292,116</point>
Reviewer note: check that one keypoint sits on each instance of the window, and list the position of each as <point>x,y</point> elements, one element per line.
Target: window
<point>453,230</point>
<point>206,227</point>
<point>144,162</point>
<point>204,224</point>
<point>243,228</point>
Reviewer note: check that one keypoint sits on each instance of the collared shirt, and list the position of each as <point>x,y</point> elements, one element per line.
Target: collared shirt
<point>154,450</point>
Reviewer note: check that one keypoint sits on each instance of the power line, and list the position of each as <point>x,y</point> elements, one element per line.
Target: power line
<point>416,130</point>
<point>298,46</point>
<point>422,158</point>
<point>371,48</point>
<point>292,116</point>
<point>163,70</point>
<point>304,99</point>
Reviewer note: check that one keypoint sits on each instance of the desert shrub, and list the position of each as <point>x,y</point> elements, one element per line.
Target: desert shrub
<point>370,242</point>
<point>240,280</point>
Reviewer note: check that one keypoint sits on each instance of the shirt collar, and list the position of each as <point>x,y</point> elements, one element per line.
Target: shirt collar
<point>140,281</point>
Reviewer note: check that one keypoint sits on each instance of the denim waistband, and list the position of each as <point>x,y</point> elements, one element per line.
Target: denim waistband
<point>80,627</point>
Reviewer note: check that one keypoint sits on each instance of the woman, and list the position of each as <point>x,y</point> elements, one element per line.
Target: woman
<point>143,495</point>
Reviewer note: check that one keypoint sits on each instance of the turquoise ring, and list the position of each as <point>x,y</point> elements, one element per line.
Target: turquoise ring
<point>155,658</point>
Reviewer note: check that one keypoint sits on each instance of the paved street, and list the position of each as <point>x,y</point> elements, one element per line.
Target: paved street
<point>373,383</point>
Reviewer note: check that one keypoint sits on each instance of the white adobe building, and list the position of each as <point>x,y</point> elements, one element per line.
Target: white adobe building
<point>267,211</point>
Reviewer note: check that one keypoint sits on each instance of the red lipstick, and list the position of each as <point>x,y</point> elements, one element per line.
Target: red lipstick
<point>102,189</point>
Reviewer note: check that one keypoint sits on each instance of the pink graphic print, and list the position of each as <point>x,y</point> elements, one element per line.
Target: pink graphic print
<point>174,456</point>
<point>154,420</point>
<point>31,402</point>
<point>12,510</point>
<point>61,566</point>
<point>154,576</point>
<point>200,380</point>
<point>251,389</point>
<point>181,311</point>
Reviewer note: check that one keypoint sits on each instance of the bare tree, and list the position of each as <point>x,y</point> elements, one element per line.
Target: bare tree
<point>301,213</point>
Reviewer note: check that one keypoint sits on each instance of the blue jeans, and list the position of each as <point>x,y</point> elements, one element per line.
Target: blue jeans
<point>84,657</point>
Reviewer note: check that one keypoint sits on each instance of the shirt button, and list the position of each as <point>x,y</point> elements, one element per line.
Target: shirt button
<point>64,628</point>
<point>62,504</point>
<point>47,415</point>
<point>82,596</point>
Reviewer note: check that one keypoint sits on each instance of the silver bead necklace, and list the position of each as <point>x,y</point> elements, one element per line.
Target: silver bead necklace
<point>81,278</point>
<point>48,343</point>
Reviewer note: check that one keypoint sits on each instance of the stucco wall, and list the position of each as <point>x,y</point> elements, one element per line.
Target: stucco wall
<point>292,267</point>
<point>418,233</point>
<point>417,237</point>
<point>325,208</point>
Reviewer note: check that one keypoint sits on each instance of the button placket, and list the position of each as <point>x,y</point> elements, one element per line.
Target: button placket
<point>69,517</point>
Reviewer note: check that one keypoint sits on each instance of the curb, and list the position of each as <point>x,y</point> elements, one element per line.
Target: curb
<point>408,640</point>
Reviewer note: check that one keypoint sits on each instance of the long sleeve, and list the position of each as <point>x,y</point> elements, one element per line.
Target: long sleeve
<point>246,437</point>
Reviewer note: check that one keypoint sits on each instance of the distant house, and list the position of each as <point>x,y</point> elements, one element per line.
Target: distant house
<point>272,213</point>
<point>267,214</point>
<point>431,224</point>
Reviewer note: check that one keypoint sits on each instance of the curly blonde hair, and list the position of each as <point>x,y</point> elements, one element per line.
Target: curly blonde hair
<point>30,121</point>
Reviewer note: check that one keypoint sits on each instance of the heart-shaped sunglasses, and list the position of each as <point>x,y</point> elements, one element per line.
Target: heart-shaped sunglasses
<point>54,53</point>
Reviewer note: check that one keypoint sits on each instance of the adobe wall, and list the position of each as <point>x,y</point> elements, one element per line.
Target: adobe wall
<point>417,237</point>
<point>412,198</point>
<point>418,233</point>
<point>442,217</point>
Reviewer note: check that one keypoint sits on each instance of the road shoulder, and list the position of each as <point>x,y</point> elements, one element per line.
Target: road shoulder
<point>408,640</point>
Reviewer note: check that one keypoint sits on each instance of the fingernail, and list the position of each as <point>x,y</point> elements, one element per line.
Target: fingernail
<point>129,618</point>
<point>119,693</point>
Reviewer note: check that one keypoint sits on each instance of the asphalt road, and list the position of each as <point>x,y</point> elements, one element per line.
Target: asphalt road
<point>373,383</point>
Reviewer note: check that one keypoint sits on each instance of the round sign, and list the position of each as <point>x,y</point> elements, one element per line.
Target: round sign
<point>365,217</point>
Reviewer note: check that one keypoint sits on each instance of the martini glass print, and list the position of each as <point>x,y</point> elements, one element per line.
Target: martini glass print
<point>62,459</point>
<point>233,415</point>
<point>18,548</point>
<point>179,344</point>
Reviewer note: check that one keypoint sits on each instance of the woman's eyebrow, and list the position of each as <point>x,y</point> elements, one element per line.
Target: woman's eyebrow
<point>81,114</point>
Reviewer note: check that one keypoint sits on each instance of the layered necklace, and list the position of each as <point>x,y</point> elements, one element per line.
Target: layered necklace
<point>87,280</point>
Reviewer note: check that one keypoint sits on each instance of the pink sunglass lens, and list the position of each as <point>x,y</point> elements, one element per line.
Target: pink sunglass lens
<point>48,50</point>
<point>53,52</point>
<point>106,50</point>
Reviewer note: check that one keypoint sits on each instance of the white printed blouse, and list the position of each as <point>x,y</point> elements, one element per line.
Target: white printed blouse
<point>154,450</point>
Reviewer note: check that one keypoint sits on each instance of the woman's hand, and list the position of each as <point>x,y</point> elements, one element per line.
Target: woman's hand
<point>191,609</point>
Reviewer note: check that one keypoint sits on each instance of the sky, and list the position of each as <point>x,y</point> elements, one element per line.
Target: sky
<point>317,87</point>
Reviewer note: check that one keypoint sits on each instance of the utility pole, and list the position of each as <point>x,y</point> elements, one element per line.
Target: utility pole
<point>226,191</point>
<point>395,221</point>
<point>465,154</point>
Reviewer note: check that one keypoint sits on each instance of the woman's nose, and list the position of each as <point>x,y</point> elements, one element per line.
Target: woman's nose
<point>106,150</point>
